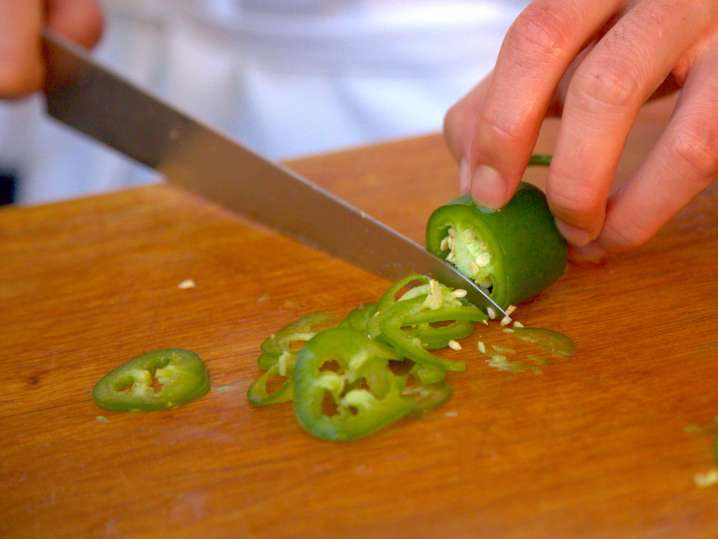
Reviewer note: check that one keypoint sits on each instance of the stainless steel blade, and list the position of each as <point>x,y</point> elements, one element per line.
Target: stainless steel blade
<point>99,103</point>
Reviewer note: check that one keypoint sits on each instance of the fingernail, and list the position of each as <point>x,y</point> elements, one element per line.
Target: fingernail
<point>592,253</point>
<point>575,236</point>
<point>487,187</point>
<point>464,176</point>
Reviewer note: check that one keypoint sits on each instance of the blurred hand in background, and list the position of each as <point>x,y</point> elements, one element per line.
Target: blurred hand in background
<point>22,69</point>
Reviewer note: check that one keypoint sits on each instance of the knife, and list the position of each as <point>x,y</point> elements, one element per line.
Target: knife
<point>99,103</point>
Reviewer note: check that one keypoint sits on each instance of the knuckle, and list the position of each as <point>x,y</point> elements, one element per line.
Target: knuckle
<point>604,86</point>
<point>697,148</point>
<point>452,120</point>
<point>541,30</point>
<point>506,128</point>
<point>456,131</point>
<point>572,201</point>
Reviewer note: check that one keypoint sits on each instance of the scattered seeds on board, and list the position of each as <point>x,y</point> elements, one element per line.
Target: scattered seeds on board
<point>505,321</point>
<point>492,314</point>
<point>503,349</point>
<point>482,347</point>
<point>451,413</point>
<point>707,479</point>
<point>518,324</point>
<point>101,419</point>
<point>454,345</point>
<point>186,284</point>
<point>511,309</point>
<point>508,330</point>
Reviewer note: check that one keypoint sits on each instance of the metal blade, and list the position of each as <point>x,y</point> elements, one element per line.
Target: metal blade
<point>101,104</point>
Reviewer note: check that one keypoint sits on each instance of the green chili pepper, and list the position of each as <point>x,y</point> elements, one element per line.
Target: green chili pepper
<point>278,357</point>
<point>258,394</point>
<point>358,319</point>
<point>427,395</point>
<point>404,321</point>
<point>154,381</point>
<point>362,392</point>
<point>296,333</point>
<point>552,341</point>
<point>514,252</point>
<point>435,338</point>
<point>413,312</point>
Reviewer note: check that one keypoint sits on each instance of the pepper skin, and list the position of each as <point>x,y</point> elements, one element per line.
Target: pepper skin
<point>515,252</point>
<point>153,381</point>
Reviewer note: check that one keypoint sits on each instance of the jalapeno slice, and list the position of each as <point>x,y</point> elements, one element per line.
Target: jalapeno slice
<point>355,398</point>
<point>154,381</point>
<point>404,323</point>
<point>290,338</point>
<point>514,252</point>
<point>358,319</point>
<point>279,353</point>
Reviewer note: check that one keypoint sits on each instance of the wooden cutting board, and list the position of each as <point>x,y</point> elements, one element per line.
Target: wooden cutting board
<point>592,447</point>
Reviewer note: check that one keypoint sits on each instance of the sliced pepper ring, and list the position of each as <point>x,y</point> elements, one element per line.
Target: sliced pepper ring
<point>279,344</point>
<point>358,319</point>
<point>365,393</point>
<point>411,312</point>
<point>258,395</point>
<point>153,381</point>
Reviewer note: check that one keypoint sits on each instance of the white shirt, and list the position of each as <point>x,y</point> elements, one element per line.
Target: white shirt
<point>285,77</point>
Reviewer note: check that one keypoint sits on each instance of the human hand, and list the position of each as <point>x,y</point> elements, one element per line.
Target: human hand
<point>595,64</point>
<point>22,69</point>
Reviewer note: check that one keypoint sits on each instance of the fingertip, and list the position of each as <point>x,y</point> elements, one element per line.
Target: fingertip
<point>488,187</point>
<point>81,21</point>
<point>19,80</point>
<point>593,254</point>
<point>573,235</point>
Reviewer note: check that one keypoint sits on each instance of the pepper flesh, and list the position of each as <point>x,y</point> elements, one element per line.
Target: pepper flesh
<point>515,252</point>
<point>154,381</point>
<point>398,320</point>
<point>365,393</point>
<point>278,357</point>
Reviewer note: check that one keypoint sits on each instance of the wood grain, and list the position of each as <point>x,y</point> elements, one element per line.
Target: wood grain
<point>594,447</point>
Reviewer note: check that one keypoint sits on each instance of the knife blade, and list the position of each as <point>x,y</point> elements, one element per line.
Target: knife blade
<point>94,100</point>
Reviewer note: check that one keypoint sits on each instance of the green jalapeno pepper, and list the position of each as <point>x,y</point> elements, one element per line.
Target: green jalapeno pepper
<point>278,357</point>
<point>154,381</point>
<point>428,394</point>
<point>282,342</point>
<point>358,319</point>
<point>363,393</point>
<point>436,338</point>
<point>514,252</point>
<point>405,322</point>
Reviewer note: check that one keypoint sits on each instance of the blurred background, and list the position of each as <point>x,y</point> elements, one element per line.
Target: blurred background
<point>285,77</point>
